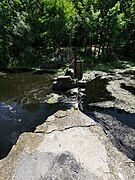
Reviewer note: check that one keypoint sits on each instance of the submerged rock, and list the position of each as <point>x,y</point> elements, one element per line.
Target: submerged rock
<point>53,98</point>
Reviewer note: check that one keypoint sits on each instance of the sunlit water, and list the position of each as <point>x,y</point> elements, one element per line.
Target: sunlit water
<point>23,106</point>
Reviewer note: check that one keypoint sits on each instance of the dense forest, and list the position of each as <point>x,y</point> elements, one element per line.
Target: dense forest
<point>32,30</point>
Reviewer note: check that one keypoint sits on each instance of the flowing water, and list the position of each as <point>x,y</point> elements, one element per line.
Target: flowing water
<point>23,105</point>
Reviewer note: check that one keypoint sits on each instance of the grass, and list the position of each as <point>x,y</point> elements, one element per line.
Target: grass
<point>91,64</point>
<point>107,64</point>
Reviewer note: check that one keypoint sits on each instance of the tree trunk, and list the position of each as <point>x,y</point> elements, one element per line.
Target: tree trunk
<point>91,42</point>
<point>99,50</point>
<point>95,50</point>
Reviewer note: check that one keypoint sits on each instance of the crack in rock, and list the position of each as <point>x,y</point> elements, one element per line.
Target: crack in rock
<point>65,129</point>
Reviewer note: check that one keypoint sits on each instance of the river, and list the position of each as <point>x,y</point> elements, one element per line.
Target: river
<point>23,107</point>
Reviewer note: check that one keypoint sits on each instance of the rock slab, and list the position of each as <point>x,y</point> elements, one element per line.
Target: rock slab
<point>68,146</point>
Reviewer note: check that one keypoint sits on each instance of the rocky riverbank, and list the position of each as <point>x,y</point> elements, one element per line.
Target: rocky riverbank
<point>111,102</point>
<point>69,145</point>
<point>121,86</point>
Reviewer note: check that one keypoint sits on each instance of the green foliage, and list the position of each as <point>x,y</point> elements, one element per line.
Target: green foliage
<point>101,27</point>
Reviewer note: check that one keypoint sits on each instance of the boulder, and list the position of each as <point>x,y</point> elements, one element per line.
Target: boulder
<point>63,83</point>
<point>69,145</point>
<point>70,72</point>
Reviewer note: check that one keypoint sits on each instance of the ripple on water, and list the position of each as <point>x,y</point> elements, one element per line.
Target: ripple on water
<point>22,106</point>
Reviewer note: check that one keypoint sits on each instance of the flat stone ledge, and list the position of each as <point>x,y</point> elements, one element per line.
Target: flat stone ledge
<point>69,145</point>
<point>65,120</point>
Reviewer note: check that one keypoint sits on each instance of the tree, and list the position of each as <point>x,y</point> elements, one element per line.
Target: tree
<point>27,27</point>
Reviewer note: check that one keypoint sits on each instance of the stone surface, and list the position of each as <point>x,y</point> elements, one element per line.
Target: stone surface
<point>63,83</point>
<point>53,98</point>
<point>124,99</point>
<point>68,146</point>
<point>115,111</point>
<point>79,69</point>
<point>122,136</point>
<point>70,72</point>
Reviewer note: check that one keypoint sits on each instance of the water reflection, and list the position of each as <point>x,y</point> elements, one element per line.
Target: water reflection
<point>25,87</point>
<point>18,118</point>
<point>96,91</point>
<point>22,106</point>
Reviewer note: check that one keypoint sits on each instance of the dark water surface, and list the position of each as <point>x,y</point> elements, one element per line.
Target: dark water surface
<point>117,123</point>
<point>96,92</point>
<point>131,89</point>
<point>24,87</point>
<point>23,106</point>
<point>124,117</point>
